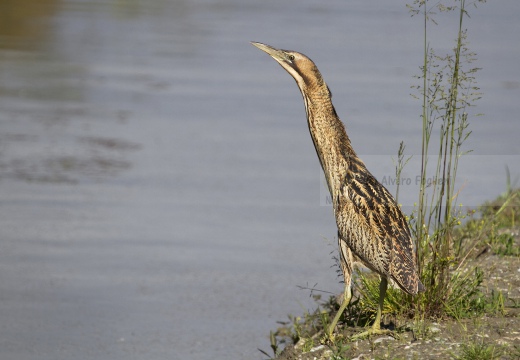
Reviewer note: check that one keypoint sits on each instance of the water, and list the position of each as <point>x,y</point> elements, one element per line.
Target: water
<point>160,195</point>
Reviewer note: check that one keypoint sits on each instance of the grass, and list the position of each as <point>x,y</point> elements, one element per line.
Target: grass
<point>447,91</point>
<point>479,350</point>
<point>301,328</point>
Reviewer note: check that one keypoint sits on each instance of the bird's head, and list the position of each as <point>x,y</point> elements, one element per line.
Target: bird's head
<point>301,68</point>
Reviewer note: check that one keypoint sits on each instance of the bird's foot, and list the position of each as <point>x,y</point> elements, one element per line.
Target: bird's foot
<point>374,331</point>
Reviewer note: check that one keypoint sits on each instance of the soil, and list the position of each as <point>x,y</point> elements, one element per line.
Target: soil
<point>496,337</point>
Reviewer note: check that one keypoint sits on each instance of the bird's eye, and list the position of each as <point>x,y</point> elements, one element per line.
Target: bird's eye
<point>290,57</point>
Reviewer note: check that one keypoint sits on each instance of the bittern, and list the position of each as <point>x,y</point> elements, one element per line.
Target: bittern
<point>371,227</point>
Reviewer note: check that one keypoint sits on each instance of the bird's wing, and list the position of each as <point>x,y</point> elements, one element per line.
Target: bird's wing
<point>374,227</point>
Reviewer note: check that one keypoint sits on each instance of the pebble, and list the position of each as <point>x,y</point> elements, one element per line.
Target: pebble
<point>317,348</point>
<point>383,339</point>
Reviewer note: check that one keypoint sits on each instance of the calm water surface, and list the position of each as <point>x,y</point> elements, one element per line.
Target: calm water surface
<point>159,192</point>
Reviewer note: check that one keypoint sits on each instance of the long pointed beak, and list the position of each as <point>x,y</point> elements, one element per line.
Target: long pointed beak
<point>276,54</point>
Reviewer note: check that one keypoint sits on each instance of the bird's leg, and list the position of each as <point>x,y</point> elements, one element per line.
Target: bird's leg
<point>383,285</point>
<point>347,295</point>
<point>376,327</point>
<point>346,263</point>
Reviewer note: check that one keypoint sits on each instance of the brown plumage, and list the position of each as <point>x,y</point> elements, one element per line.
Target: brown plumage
<point>371,226</point>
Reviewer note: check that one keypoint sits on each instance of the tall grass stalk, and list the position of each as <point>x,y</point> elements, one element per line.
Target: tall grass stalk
<point>447,90</point>
<point>399,165</point>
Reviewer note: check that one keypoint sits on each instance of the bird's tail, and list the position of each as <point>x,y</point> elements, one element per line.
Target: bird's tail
<point>404,272</point>
<point>421,287</point>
